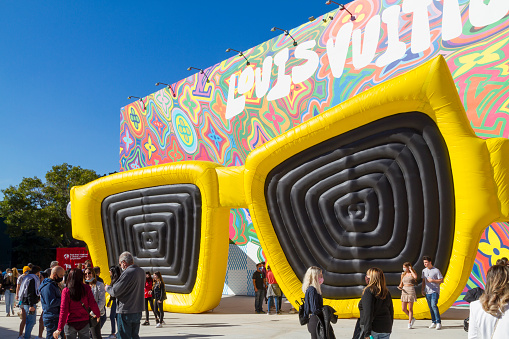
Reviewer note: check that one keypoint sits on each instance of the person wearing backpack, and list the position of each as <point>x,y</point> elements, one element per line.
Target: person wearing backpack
<point>376,309</point>
<point>313,301</point>
<point>29,295</point>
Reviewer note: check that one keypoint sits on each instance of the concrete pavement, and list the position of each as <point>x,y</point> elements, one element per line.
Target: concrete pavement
<point>234,318</point>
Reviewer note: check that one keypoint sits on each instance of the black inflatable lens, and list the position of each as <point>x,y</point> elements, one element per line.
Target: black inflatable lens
<point>160,226</point>
<point>376,196</point>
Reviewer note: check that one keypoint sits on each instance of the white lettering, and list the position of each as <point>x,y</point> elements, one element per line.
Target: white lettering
<point>284,81</point>
<point>371,38</point>
<point>263,79</point>
<point>246,80</point>
<point>421,36</point>
<point>482,14</point>
<point>234,105</point>
<point>303,72</point>
<point>451,20</point>
<point>336,52</point>
<point>395,49</point>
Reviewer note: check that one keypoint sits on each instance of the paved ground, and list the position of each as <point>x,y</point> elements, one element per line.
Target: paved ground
<point>233,319</point>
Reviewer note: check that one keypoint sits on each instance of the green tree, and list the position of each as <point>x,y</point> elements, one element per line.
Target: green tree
<point>40,206</point>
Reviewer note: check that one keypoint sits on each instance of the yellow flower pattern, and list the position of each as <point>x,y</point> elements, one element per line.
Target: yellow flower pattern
<point>489,55</point>
<point>493,247</point>
<point>149,146</point>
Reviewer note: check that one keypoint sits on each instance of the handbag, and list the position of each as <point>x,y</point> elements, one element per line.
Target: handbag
<point>92,321</point>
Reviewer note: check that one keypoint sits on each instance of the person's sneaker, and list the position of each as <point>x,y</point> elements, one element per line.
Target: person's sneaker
<point>8,314</point>
<point>268,313</point>
<point>412,322</point>
<point>293,311</point>
<point>146,323</point>
<point>409,326</point>
<point>433,325</point>
<point>159,325</point>
<point>439,326</point>
<point>162,322</point>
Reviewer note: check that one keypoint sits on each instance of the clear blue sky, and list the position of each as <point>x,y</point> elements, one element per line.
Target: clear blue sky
<point>67,67</point>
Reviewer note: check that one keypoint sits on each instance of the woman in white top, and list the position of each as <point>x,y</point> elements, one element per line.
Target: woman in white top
<point>489,316</point>
<point>100,298</point>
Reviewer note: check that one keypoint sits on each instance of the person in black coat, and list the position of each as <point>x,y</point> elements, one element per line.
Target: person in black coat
<point>313,301</point>
<point>159,294</point>
<point>377,312</point>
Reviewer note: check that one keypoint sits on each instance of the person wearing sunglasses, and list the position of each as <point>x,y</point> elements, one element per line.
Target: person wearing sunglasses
<point>100,298</point>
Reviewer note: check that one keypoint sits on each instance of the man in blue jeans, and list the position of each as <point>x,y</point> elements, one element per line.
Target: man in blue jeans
<point>129,290</point>
<point>29,295</point>
<point>50,300</point>
<point>259,284</point>
<point>431,280</point>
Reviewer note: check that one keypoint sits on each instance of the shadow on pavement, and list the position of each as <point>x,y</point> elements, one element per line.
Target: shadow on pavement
<point>204,325</point>
<point>6,333</point>
<point>187,336</point>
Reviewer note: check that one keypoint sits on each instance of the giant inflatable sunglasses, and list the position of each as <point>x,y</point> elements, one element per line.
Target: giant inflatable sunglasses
<point>391,175</point>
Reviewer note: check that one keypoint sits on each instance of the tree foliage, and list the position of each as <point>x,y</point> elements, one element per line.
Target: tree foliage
<point>40,207</point>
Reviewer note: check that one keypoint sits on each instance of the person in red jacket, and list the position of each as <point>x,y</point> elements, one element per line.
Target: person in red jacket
<point>77,300</point>
<point>149,299</point>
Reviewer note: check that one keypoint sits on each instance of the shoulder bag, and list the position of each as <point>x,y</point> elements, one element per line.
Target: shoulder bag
<point>92,321</point>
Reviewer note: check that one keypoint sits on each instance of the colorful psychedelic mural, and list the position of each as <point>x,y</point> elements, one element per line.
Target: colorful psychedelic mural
<point>244,105</point>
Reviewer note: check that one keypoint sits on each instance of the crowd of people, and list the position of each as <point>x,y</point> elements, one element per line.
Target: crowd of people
<point>267,289</point>
<point>489,316</point>
<point>73,302</point>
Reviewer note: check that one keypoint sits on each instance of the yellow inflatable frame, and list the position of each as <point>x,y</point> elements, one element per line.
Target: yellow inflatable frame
<point>87,225</point>
<point>478,166</point>
<point>479,171</point>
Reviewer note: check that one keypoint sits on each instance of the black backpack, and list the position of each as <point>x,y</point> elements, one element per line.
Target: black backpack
<point>303,317</point>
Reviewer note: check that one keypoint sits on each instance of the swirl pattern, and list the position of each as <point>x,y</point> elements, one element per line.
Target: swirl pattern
<point>346,210</point>
<point>160,226</point>
<point>477,58</point>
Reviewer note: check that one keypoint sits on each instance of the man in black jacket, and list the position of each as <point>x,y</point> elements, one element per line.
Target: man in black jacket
<point>29,295</point>
<point>259,284</point>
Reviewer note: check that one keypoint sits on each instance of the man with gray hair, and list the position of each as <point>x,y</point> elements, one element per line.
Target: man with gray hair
<point>129,290</point>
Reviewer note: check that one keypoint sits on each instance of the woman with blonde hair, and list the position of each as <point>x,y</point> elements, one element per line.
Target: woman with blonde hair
<point>489,316</point>
<point>408,296</point>
<point>377,312</point>
<point>313,301</point>
<point>9,285</point>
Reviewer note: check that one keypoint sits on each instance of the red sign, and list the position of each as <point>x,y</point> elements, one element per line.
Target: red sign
<point>70,257</point>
